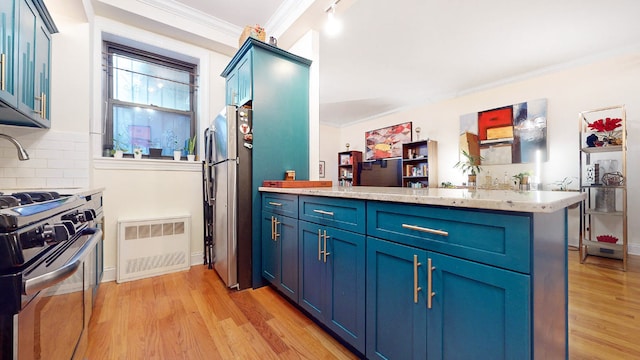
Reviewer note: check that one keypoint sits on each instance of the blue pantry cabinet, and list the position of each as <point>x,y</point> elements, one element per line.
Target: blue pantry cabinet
<point>25,85</point>
<point>275,84</point>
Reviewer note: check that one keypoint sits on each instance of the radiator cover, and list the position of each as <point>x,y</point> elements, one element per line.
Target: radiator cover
<point>152,247</point>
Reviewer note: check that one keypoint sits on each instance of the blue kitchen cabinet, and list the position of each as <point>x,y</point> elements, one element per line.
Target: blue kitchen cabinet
<point>25,86</point>
<point>455,310</point>
<point>238,82</point>
<point>8,45</point>
<point>280,242</point>
<point>332,280</point>
<point>396,306</point>
<point>280,253</point>
<point>275,84</point>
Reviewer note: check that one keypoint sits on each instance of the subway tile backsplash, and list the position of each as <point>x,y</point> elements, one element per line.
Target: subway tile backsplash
<point>57,159</point>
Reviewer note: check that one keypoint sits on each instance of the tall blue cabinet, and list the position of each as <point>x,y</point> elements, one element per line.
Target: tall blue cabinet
<point>275,84</point>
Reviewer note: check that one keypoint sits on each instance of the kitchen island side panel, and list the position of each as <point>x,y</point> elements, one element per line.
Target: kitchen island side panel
<point>280,127</point>
<point>550,285</point>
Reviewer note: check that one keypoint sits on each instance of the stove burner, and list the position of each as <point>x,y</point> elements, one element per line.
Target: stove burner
<point>8,201</point>
<point>29,197</point>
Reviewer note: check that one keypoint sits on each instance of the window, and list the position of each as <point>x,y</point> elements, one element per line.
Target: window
<point>150,102</point>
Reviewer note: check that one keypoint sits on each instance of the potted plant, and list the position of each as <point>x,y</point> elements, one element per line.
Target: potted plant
<point>522,180</point>
<point>137,153</point>
<point>118,148</point>
<point>191,148</point>
<point>469,164</point>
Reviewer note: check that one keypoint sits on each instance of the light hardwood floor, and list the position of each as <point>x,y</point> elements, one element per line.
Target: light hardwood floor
<point>191,315</point>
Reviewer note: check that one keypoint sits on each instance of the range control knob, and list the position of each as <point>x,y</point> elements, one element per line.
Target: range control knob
<point>75,217</point>
<point>61,231</point>
<point>89,214</point>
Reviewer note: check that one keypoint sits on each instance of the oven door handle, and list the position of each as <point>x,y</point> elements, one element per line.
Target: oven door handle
<point>33,285</point>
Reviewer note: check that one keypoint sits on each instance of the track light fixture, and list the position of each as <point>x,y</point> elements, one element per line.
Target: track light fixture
<point>333,25</point>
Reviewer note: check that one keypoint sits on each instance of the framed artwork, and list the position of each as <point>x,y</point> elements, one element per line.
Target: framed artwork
<point>321,169</point>
<point>387,142</point>
<point>507,135</point>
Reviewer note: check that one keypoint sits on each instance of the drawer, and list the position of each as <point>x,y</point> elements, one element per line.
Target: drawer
<point>344,214</point>
<point>283,204</point>
<point>493,238</point>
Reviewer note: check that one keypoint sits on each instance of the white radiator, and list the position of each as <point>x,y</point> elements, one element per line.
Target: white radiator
<point>152,247</point>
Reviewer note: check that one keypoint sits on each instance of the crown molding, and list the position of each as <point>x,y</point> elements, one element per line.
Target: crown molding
<point>286,14</point>
<point>194,15</point>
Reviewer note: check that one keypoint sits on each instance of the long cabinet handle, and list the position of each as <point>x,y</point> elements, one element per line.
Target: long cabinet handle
<point>416,288</point>
<point>427,230</point>
<point>330,213</point>
<point>320,245</point>
<point>276,235</point>
<point>274,203</point>
<point>3,72</point>
<point>272,231</point>
<point>430,293</point>
<point>326,253</point>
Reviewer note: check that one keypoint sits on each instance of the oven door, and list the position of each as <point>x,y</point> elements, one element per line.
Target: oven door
<point>52,324</point>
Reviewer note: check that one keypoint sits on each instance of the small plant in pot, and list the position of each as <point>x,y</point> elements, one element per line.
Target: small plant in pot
<point>118,148</point>
<point>470,164</point>
<point>521,180</point>
<point>191,148</point>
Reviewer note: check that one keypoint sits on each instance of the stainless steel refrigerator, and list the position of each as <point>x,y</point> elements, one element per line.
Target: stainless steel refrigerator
<point>230,141</point>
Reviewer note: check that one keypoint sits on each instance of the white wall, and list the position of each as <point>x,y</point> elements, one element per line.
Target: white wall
<point>614,81</point>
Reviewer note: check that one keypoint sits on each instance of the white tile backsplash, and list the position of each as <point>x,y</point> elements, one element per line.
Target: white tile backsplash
<point>58,159</point>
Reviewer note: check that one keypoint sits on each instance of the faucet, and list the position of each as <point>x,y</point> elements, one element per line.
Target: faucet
<point>22,153</point>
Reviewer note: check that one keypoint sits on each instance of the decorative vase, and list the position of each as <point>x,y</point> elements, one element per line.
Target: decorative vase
<point>176,155</point>
<point>137,154</point>
<point>191,157</point>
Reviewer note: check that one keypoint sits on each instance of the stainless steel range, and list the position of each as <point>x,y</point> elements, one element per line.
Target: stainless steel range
<point>50,267</point>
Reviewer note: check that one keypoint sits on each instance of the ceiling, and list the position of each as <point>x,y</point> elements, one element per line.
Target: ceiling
<point>394,55</point>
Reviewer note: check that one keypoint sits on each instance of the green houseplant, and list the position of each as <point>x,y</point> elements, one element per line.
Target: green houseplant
<point>191,148</point>
<point>469,164</point>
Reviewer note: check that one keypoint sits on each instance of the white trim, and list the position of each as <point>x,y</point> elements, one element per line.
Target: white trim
<point>146,164</point>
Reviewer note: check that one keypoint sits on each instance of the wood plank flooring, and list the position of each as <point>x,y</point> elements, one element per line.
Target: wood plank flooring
<point>191,315</point>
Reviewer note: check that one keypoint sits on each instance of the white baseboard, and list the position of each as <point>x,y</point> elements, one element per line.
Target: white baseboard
<point>197,258</point>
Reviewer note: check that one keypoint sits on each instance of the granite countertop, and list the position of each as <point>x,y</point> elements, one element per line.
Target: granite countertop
<point>509,200</point>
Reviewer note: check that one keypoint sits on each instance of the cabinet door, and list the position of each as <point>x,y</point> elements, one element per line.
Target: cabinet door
<point>27,57</point>
<point>42,74</point>
<point>477,309</point>
<point>280,253</point>
<point>345,286</point>
<point>396,323</point>
<point>312,269</point>
<point>8,44</point>
<point>244,80</point>
<point>232,88</point>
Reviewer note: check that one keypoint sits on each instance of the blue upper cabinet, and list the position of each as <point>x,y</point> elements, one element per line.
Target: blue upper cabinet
<point>8,45</point>
<point>275,84</point>
<point>25,88</point>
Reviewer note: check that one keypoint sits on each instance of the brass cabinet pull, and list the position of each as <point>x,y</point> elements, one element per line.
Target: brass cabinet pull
<point>320,245</point>
<point>330,213</point>
<point>43,105</point>
<point>274,203</point>
<point>3,72</point>
<point>416,288</point>
<point>430,292</point>
<point>427,230</point>
<point>326,253</point>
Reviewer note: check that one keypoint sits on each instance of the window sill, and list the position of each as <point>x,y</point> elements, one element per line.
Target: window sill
<point>108,163</point>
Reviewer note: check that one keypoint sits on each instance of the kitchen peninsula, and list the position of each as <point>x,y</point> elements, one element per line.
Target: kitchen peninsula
<point>402,273</point>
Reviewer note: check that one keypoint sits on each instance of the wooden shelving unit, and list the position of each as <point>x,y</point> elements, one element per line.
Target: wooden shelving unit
<point>420,164</point>
<point>603,175</point>
<point>349,168</point>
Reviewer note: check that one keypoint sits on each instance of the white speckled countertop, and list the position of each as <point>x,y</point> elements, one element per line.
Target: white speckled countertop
<point>509,200</point>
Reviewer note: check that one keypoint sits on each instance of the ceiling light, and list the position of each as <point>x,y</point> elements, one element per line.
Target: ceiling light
<point>333,26</point>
